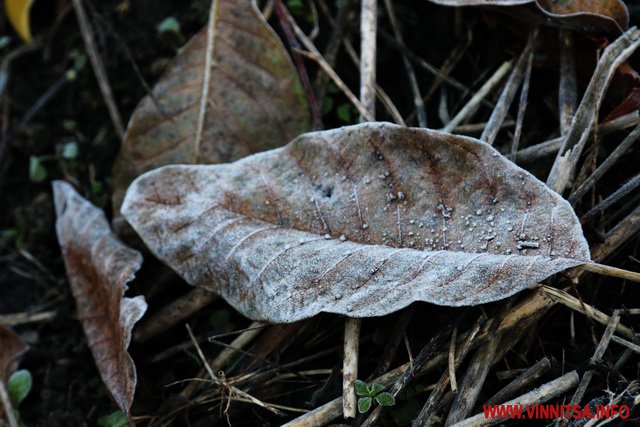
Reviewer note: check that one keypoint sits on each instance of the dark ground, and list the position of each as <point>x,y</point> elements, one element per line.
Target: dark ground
<point>67,390</point>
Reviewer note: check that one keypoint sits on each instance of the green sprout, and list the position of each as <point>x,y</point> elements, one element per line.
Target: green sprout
<point>372,392</point>
<point>18,388</point>
<point>115,419</point>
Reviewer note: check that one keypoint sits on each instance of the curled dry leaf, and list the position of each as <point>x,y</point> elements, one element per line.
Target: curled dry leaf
<point>11,349</point>
<point>361,221</point>
<point>254,100</point>
<point>99,267</point>
<point>587,15</point>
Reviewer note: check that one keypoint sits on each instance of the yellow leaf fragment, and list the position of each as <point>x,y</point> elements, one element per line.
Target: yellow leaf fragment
<point>18,13</point>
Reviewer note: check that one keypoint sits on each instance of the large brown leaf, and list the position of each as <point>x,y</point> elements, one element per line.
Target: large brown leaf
<point>361,221</point>
<point>587,15</point>
<point>99,267</point>
<point>255,100</point>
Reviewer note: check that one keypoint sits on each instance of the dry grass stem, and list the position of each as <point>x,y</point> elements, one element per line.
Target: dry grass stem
<point>575,304</point>
<point>474,103</point>
<point>98,67</point>
<point>499,113</point>
<point>526,379</point>
<point>563,169</point>
<point>542,394</point>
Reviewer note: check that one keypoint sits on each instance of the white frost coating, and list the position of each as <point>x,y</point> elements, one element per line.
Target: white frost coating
<point>464,231</point>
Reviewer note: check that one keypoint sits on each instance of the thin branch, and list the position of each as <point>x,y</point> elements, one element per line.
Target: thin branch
<point>542,394</point>
<point>368,33</point>
<point>616,155</point>
<point>620,193</point>
<point>563,169</point>
<point>474,103</point>
<point>522,106</point>
<point>413,81</point>
<point>338,82</point>
<point>575,304</point>
<point>350,366</point>
<point>508,94</point>
<point>596,358</point>
<point>567,89</point>
<point>285,23</point>
<point>98,67</point>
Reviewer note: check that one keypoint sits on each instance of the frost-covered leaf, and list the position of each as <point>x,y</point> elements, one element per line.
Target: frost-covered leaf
<point>254,100</point>
<point>11,349</point>
<point>361,221</point>
<point>99,267</point>
<point>587,15</point>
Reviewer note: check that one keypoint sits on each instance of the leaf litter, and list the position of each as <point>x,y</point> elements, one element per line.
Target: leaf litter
<point>254,100</point>
<point>99,267</point>
<point>360,221</point>
<point>586,15</point>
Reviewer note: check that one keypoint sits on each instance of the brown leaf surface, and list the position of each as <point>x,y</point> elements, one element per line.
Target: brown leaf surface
<point>587,15</point>
<point>11,349</point>
<point>361,221</point>
<point>255,100</point>
<point>99,267</point>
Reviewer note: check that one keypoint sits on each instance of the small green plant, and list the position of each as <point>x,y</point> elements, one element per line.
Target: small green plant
<point>18,388</point>
<point>171,26</point>
<point>115,419</point>
<point>368,393</point>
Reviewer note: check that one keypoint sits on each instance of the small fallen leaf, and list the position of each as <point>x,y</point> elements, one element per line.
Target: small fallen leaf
<point>18,14</point>
<point>11,349</point>
<point>587,15</point>
<point>361,221</point>
<point>99,267</point>
<point>255,100</point>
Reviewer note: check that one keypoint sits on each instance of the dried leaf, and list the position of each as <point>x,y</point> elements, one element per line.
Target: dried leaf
<point>11,349</point>
<point>629,105</point>
<point>360,221</point>
<point>18,14</point>
<point>99,267</point>
<point>255,100</point>
<point>588,15</point>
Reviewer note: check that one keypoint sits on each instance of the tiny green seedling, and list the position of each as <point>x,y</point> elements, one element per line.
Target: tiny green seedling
<point>369,392</point>
<point>18,388</point>
<point>115,419</point>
